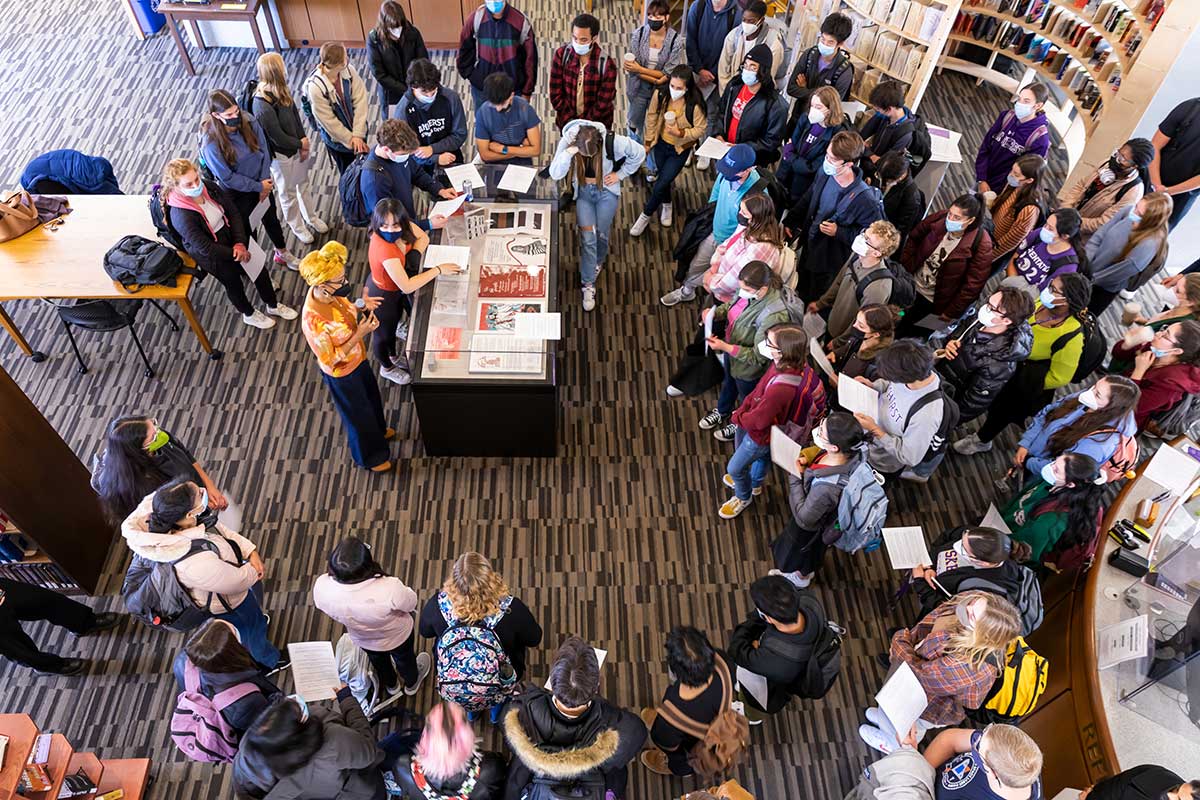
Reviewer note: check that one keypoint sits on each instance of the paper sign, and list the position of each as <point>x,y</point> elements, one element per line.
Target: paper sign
<point>258,260</point>
<point>600,656</point>
<point>902,699</point>
<point>857,398</point>
<point>538,326</point>
<point>906,547</point>
<point>260,211</point>
<point>446,254</point>
<point>1171,469</point>
<point>753,683</point>
<point>314,670</point>
<point>517,178</point>
<point>713,148</point>
<point>819,357</point>
<point>784,451</point>
<point>447,207</point>
<point>993,519</point>
<point>464,172</point>
<point>1124,641</point>
<point>708,323</point>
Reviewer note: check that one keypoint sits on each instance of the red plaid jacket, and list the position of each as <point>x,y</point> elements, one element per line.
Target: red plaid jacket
<point>599,88</point>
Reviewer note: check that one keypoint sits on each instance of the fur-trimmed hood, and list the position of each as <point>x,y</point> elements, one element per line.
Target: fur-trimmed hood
<point>563,764</point>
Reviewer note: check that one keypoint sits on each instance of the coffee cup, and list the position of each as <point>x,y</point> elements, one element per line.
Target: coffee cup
<point>630,57</point>
<point>669,117</point>
<point>1131,313</point>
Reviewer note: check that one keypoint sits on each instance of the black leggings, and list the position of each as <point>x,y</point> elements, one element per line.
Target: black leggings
<point>25,602</point>
<point>231,275</point>
<point>389,312</point>
<point>246,202</point>
<point>387,662</point>
<point>798,550</point>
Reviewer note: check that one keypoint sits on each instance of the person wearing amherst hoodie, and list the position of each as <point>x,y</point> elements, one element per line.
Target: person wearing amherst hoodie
<point>213,233</point>
<point>790,391</point>
<point>435,112</point>
<point>1024,129</point>
<point>903,774</point>
<point>752,111</point>
<point>394,44</point>
<point>708,23</point>
<point>1166,369</point>
<point>496,37</point>
<point>220,569</point>
<point>571,736</point>
<point>907,420</point>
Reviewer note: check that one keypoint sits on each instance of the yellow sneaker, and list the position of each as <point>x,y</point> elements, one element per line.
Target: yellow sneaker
<point>734,506</point>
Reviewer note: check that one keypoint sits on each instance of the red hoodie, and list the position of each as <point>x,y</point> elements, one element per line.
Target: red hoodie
<point>770,402</point>
<point>1162,387</point>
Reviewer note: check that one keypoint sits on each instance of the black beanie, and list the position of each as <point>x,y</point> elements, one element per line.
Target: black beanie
<point>761,54</point>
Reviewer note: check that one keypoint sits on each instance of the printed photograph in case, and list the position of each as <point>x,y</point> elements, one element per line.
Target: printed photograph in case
<point>510,280</point>
<point>501,317</point>
<point>446,342</point>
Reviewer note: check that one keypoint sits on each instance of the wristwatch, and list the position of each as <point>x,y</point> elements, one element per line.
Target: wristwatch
<point>504,150</point>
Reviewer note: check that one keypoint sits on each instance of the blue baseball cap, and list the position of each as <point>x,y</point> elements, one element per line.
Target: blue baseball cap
<point>739,159</point>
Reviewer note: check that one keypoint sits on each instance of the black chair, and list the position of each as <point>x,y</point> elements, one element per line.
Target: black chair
<point>105,315</point>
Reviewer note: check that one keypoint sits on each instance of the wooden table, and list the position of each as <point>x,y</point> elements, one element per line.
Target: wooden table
<point>246,11</point>
<point>69,263</point>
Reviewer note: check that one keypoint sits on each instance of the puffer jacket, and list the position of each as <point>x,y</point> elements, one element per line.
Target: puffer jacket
<point>489,780</point>
<point>750,328</point>
<point>80,173</point>
<point>985,362</point>
<point>207,576</point>
<point>592,748</point>
<point>814,497</point>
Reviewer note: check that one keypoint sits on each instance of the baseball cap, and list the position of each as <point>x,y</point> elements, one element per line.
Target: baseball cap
<point>739,158</point>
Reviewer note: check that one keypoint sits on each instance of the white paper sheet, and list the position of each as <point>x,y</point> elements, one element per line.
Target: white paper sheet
<point>539,326</point>
<point>446,254</point>
<point>1124,641</point>
<point>902,699</point>
<point>814,325</point>
<point>600,656</point>
<point>819,357</point>
<point>784,451</point>
<point>857,398</point>
<point>464,172</point>
<point>1171,469</point>
<point>992,519</point>
<point>447,207</point>
<point>260,210</point>
<point>708,323</point>
<point>231,517</point>
<point>314,670</point>
<point>517,178</point>
<point>906,547</point>
<point>713,148</point>
<point>753,683</point>
<point>258,260</point>
<point>503,353</point>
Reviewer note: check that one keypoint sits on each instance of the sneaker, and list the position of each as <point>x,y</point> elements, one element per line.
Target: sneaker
<point>639,226</point>
<point>971,445</point>
<point>395,375</point>
<point>734,506</point>
<point>70,666</point>
<point>876,739</point>
<point>424,662</point>
<point>739,707</point>
<point>665,216</point>
<point>703,163</point>
<point>651,177</point>
<point>258,320</point>
<point>287,259</point>
<point>680,295</point>
<point>283,663</point>
<point>798,579</point>
<point>1125,294</point>
<point>756,491</point>
<point>589,298</point>
<point>674,392</point>
<point>912,477</point>
<point>282,311</point>
<point>319,225</point>
<point>711,420</point>
<point>875,717</point>
<point>725,432</point>
<point>303,234</point>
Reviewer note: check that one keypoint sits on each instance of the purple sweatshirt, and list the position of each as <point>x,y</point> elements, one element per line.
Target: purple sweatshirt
<point>1034,262</point>
<point>1007,140</point>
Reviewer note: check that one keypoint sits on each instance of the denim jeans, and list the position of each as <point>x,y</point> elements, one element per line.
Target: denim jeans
<point>748,465</point>
<point>595,208</point>
<point>636,115</point>
<point>732,390</point>
<point>712,107</point>
<point>669,164</point>
<point>252,627</point>
<point>477,97</point>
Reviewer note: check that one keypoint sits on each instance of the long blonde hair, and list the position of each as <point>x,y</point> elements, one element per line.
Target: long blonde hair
<point>474,588</point>
<point>1153,223</point>
<point>999,624</point>
<point>272,80</point>
<point>830,98</point>
<point>173,172</point>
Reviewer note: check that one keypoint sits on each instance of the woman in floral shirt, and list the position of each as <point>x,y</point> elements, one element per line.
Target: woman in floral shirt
<point>335,332</point>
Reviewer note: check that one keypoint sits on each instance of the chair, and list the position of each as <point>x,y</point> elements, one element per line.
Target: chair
<point>105,315</point>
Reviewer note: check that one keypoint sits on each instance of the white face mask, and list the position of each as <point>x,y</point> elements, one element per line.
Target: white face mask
<point>988,318</point>
<point>816,116</point>
<point>860,246</point>
<point>749,29</point>
<point>820,441</point>
<point>1088,399</point>
<point>677,94</point>
<point>747,294</point>
<point>395,32</point>
<point>766,351</point>
<point>1107,176</point>
<point>964,617</point>
<point>964,559</point>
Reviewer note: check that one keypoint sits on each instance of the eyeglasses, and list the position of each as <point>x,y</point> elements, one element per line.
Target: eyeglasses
<point>997,311</point>
<point>1120,159</point>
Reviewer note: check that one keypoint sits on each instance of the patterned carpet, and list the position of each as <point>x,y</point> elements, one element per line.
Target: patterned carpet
<point>617,539</point>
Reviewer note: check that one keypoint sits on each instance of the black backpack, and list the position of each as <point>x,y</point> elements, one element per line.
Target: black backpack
<point>823,658</point>
<point>1095,347</point>
<point>950,417</point>
<point>162,220</point>
<point>135,261</point>
<point>1028,600</point>
<point>154,595</point>
<point>920,147</point>
<point>354,205</point>
<point>608,151</point>
<point>904,287</point>
<point>246,98</point>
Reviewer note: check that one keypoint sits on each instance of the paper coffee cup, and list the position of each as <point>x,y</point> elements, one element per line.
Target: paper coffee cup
<point>669,117</point>
<point>1132,312</point>
<point>630,57</point>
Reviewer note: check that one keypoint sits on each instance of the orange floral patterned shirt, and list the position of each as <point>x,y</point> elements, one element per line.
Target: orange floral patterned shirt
<point>328,327</point>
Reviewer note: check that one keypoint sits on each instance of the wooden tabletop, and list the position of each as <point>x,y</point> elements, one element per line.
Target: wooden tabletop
<point>210,9</point>
<point>69,262</point>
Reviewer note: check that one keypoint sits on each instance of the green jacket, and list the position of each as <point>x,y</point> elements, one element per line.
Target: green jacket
<point>1040,531</point>
<point>750,328</point>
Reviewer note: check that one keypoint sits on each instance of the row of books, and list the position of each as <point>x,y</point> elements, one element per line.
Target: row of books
<point>15,547</point>
<point>899,57</point>
<point>1150,10</point>
<point>918,19</point>
<point>48,576</point>
<point>1109,20</point>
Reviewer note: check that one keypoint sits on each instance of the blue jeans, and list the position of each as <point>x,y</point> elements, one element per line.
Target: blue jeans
<point>477,97</point>
<point>732,390</point>
<point>636,114</point>
<point>670,164</point>
<point>595,208</point>
<point>748,465</point>
<point>252,627</point>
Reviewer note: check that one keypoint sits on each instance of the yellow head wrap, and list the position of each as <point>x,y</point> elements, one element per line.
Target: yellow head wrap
<point>320,266</point>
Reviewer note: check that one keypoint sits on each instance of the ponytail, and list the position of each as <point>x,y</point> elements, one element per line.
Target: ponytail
<point>1069,224</point>
<point>172,502</point>
<point>973,205</point>
<point>758,274</point>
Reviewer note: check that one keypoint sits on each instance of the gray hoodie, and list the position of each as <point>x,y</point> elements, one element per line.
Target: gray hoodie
<point>902,775</point>
<point>902,446</point>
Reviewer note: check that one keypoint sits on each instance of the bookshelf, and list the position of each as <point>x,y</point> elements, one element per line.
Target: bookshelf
<point>131,775</point>
<point>23,561</point>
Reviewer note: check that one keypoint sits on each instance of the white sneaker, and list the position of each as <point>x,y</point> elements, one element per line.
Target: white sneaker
<point>665,216</point>
<point>651,177</point>
<point>395,375</point>
<point>1125,294</point>
<point>303,234</point>
<point>282,311</point>
<point>258,320</point>
<point>971,445</point>
<point>875,717</point>
<point>424,662</point>
<point>589,298</point>
<point>680,295</point>
<point>913,477</point>
<point>798,579</point>
<point>703,163</point>
<point>673,392</point>
<point>876,739</point>
<point>286,258</point>
<point>319,225</point>
<point>639,226</point>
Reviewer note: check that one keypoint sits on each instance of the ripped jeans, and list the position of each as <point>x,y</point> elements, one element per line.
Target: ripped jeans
<point>595,208</point>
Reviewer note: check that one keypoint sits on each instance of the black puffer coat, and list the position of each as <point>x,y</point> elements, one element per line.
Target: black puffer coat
<point>985,361</point>
<point>489,779</point>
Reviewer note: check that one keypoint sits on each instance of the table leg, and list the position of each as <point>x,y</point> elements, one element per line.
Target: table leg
<point>266,7</point>
<point>257,35</point>
<point>185,304</point>
<point>173,27</point>
<point>196,33</point>
<point>7,323</point>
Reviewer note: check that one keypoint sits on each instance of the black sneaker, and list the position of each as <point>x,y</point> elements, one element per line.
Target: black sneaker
<point>711,420</point>
<point>283,663</point>
<point>725,433</point>
<point>104,621</point>
<point>70,667</point>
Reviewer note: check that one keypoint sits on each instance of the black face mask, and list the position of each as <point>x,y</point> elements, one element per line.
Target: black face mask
<point>656,24</point>
<point>236,122</point>
<point>1117,167</point>
<point>207,518</point>
<point>742,219</point>
<point>342,291</point>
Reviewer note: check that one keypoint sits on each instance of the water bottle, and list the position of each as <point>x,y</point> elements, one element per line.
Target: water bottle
<point>467,190</point>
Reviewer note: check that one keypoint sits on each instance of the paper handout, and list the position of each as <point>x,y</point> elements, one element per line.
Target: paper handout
<point>258,260</point>
<point>1171,469</point>
<point>784,451</point>
<point>819,357</point>
<point>314,670</point>
<point>993,519</point>
<point>517,178</point>
<point>713,148</point>
<point>906,547</point>
<point>446,208</point>
<point>857,398</point>
<point>446,254</point>
<point>260,211</point>
<point>538,326</point>
<point>1123,641</point>
<point>464,172</point>
<point>902,699</point>
<point>753,683</point>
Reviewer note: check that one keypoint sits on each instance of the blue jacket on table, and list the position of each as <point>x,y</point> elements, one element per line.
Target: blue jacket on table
<point>79,173</point>
<point>250,167</point>
<point>857,208</point>
<point>1100,446</point>
<point>796,172</point>
<point>706,32</point>
<point>382,177</point>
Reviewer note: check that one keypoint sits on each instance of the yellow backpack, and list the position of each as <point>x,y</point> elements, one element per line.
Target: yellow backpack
<point>1019,686</point>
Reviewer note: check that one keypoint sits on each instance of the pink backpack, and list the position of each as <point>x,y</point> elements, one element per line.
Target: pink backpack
<point>197,727</point>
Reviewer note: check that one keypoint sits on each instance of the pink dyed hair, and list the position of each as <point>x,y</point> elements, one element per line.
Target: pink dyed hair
<point>447,742</point>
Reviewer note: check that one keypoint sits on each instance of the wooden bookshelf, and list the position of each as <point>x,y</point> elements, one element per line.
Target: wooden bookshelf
<point>131,775</point>
<point>21,733</point>
<point>91,766</point>
<point>36,568</point>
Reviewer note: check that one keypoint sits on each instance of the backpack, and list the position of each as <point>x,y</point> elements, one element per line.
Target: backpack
<point>1179,418</point>
<point>617,163</point>
<point>472,668</point>
<point>920,147</point>
<point>849,197</point>
<point>1095,348</point>
<point>153,594</point>
<point>904,286</point>
<point>862,510</point>
<point>162,220</point>
<point>1033,136</point>
<point>246,98</point>
<point>840,64</point>
<point>1017,689</point>
<point>950,417</point>
<point>823,658</point>
<point>723,742</point>
<point>1028,600</point>
<point>136,262</point>
<point>1123,460</point>
<point>354,205</point>
<point>306,107</point>
<point>789,301</point>
<point>802,415</point>
<point>197,727</point>
<point>355,670</point>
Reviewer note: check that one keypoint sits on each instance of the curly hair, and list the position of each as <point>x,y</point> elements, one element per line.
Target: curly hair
<point>474,588</point>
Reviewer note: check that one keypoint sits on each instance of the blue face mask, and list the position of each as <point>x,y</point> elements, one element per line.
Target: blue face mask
<point>749,77</point>
<point>1013,182</point>
<point>400,158</point>
<point>194,192</point>
<point>1047,297</point>
<point>1159,353</point>
<point>829,169</point>
<point>423,100</point>
<point>1048,474</point>
<point>825,49</point>
<point>389,236</point>
<point>1046,236</point>
<point>1023,110</point>
<point>495,6</point>
<point>955,225</point>
<point>1135,217</point>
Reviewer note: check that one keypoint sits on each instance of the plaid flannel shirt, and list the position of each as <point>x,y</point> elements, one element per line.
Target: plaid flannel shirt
<point>951,684</point>
<point>599,89</point>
